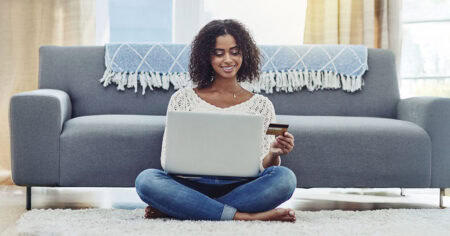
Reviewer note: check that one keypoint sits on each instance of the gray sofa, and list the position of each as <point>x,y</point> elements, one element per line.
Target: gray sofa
<point>72,131</point>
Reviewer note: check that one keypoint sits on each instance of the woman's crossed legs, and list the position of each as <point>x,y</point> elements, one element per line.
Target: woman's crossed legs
<point>215,199</point>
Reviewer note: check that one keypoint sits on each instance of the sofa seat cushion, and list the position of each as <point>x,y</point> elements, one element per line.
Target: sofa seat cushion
<point>336,151</point>
<point>109,150</point>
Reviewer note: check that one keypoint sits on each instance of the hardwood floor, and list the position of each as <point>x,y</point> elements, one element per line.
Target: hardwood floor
<point>13,200</point>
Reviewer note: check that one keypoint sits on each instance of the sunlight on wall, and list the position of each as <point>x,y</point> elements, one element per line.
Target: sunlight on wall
<point>270,22</point>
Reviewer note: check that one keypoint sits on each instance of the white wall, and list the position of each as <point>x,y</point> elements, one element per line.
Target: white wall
<point>269,21</point>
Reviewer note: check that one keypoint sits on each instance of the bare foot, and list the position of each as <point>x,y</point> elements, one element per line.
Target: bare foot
<point>278,214</point>
<point>153,213</point>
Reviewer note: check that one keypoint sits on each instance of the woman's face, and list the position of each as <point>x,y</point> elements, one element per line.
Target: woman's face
<point>226,58</point>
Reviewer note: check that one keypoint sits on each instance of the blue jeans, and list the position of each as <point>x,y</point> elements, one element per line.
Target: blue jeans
<point>213,198</point>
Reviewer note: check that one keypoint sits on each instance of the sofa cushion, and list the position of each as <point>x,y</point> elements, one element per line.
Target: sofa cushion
<point>77,71</point>
<point>335,151</point>
<point>378,98</point>
<point>109,150</point>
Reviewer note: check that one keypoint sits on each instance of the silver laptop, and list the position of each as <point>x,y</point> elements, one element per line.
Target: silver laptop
<point>214,144</point>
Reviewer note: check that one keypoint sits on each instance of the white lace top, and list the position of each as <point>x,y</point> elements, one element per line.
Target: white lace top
<point>186,99</point>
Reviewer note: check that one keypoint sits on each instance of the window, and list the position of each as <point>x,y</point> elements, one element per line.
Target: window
<point>134,21</point>
<point>425,67</point>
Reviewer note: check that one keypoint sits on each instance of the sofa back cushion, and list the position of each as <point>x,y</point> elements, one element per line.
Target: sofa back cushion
<point>378,97</point>
<point>77,71</point>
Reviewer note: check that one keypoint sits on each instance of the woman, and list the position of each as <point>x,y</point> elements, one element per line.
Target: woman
<point>223,54</point>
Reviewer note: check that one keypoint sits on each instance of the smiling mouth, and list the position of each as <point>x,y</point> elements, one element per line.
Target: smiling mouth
<point>228,68</point>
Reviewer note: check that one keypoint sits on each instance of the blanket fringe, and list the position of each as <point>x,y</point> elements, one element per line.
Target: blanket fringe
<point>285,81</point>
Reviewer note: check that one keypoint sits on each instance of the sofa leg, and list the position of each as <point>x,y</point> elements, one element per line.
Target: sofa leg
<point>28,198</point>
<point>441,198</point>
<point>401,192</point>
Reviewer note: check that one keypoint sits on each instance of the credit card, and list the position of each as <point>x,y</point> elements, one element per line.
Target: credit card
<point>277,129</point>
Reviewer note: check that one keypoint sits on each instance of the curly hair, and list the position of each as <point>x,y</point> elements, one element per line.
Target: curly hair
<point>203,46</point>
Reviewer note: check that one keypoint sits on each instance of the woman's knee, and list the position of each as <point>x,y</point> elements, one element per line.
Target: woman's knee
<point>287,180</point>
<point>146,179</point>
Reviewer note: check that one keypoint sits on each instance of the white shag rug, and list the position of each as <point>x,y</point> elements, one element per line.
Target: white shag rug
<point>336,222</point>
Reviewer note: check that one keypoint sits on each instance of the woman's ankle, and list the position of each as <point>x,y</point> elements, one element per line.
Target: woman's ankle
<point>241,216</point>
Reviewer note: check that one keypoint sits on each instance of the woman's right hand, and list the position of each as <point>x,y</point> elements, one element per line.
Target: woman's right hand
<point>282,145</point>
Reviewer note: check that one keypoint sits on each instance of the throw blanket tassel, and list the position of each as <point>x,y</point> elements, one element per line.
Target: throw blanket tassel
<point>286,81</point>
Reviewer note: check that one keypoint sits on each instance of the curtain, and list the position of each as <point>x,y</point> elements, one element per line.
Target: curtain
<point>25,25</point>
<point>374,23</point>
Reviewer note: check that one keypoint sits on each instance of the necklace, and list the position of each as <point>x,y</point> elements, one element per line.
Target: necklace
<point>234,93</point>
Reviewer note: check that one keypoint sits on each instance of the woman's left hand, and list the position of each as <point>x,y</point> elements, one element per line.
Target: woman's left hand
<point>282,145</point>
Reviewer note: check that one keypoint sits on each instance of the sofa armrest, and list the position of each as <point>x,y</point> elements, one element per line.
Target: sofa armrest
<point>36,119</point>
<point>433,115</point>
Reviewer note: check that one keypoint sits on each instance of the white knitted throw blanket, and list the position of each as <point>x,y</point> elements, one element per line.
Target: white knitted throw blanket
<point>283,68</point>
